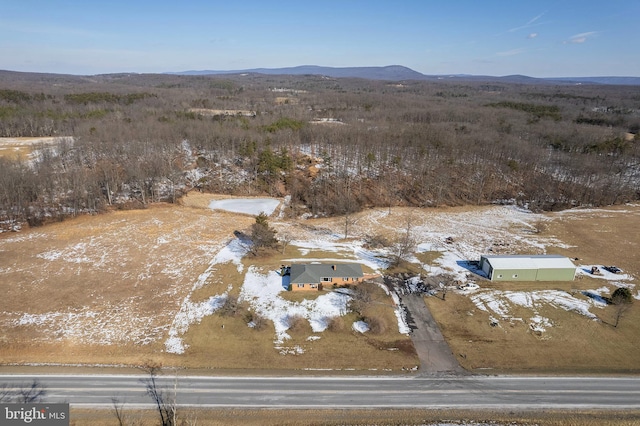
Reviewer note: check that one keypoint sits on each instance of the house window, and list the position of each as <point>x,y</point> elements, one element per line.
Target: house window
<point>300,285</point>
<point>326,279</point>
<point>499,275</point>
<point>345,279</point>
<point>515,275</point>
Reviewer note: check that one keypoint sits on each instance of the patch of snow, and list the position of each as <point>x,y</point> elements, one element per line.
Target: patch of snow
<point>292,350</point>
<point>539,324</point>
<point>232,252</point>
<point>85,325</point>
<point>425,247</point>
<point>395,298</point>
<point>252,206</point>
<point>190,313</point>
<point>499,302</point>
<point>413,283</point>
<point>262,292</point>
<point>605,275</point>
<point>174,345</point>
<point>73,254</point>
<point>489,301</point>
<point>50,255</point>
<point>520,298</point>
<point>400,313</point>
<point>360,326</point>
<point>494,321</point>
<point>401,316</point>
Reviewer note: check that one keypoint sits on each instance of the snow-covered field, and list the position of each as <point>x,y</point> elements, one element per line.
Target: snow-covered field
<point>175,259</point>
<point>252,206</point>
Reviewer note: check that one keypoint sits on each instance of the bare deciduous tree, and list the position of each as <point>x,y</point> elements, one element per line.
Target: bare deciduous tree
<point>25,393</point>
<point>5,393</point>
<point>33,392</point>
<point>118,410</point>
<point>164,401</point>
<point>231,307</point>
<point>362,297</point>
<point>405,244</point>
<point>285,239</point>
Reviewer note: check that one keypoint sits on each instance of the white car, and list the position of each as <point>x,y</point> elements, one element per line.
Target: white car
<point>469,286</point>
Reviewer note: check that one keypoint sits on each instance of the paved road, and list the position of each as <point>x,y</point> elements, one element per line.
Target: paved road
<point>349,392</point>
<point>433,351</point>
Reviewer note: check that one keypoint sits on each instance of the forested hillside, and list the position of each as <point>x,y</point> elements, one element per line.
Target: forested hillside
<point>334,145</point>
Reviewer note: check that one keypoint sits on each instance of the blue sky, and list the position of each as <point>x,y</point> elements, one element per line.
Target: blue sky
<point>539,38</point>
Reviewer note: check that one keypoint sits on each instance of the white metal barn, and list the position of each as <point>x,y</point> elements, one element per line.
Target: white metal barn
<point>528,267</point>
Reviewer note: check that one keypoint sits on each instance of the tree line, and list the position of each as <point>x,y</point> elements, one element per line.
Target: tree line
<point>130,140</point>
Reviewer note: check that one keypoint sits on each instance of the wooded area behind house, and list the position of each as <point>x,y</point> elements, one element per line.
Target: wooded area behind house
<point>335,146</point>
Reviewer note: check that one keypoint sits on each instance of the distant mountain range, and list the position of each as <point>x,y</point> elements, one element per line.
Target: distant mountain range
<point>400,73</point>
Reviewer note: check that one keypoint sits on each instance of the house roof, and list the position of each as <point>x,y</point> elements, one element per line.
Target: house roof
<point>315,272</point>
<point>550,261</point>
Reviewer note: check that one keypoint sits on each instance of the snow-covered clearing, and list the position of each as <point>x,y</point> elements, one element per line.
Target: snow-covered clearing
<point>252,206</point>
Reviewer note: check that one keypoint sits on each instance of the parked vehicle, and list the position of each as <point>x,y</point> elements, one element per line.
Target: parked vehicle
<point>612,269</point>
<point>468,286</point>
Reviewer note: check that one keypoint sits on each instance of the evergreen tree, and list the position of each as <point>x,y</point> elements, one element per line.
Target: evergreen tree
<point>262,235</point>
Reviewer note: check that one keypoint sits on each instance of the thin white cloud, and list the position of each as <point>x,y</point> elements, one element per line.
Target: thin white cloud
<point>531,23</point>
<point>511,52</point>
<point>580,38</point>
<point>532,35</point>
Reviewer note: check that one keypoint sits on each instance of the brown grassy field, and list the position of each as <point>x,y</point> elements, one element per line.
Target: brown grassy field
<point>105,290</point>
<point>302,417</point>
<point>22,147</point>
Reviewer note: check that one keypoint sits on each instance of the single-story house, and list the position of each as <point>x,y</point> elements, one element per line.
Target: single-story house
<point>313,276</point>
<point>528,267</point>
